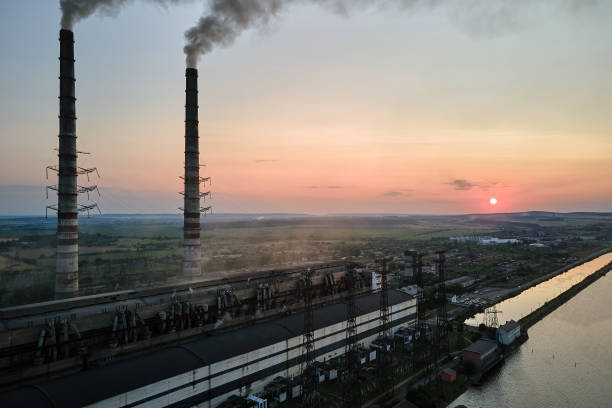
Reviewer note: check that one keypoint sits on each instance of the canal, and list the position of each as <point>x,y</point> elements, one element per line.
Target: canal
<point>566,361</point>
<point>516,307</point>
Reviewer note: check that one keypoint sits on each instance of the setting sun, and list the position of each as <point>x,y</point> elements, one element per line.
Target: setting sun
<point>493,201</point>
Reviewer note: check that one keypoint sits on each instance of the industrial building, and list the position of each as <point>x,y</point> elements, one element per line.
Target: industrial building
<point>196,342</point>
<point>463,281</point>
<point>508,332</point>
<point>448,375</point>
<point>206,371</point>
<point>41,339</point>
<point>482,353</point>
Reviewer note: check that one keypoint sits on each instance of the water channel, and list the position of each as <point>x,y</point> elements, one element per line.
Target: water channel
<point>566,361</point>
<point>527,301</point>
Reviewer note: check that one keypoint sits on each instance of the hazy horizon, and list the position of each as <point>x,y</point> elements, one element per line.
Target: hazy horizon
<point>179,215</point>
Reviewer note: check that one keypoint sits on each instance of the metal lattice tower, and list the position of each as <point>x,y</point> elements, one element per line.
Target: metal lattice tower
<point>385,373</point>
<point>421,348</point>
<point>351,392</point>
<point>421,319</point>
<point>441,345</point>
<point>385,322</point>
<point>410,262</point>
<point>442,316</point>
<point>491,316</point>
<point>308,369</point>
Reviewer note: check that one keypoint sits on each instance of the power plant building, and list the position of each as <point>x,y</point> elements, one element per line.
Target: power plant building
<point>192,343</point>
<point>205,372</point>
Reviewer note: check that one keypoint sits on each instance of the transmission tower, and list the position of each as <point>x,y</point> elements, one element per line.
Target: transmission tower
<point>385,373</point>
<point>491,316</point>
<point>421,344</point>
<point>385,322</point>
<point>351,392</point>
<point>79,171</point>
<point>442,316</point>
<point>308,369</point>
<point>68,191</point>
<point>441,345</point>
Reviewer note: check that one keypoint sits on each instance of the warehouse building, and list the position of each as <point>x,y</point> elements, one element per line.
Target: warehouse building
<point>206,372</point>
<point>508,333</point>
<point>481,353</point>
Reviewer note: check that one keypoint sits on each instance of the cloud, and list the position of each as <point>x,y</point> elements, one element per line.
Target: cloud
<point>393,193</point>
<point>335,187</point>
<point>487,186</point>
<point>265,160</point>
<point>462,184</point>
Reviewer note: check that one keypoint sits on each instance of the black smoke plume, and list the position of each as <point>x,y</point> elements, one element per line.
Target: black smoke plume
<point>226,19</point>
<point>76,10</point>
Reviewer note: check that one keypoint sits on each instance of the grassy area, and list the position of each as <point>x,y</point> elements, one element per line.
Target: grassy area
<point>130,252</point>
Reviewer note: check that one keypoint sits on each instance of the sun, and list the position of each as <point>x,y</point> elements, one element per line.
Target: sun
<point>493,201</point>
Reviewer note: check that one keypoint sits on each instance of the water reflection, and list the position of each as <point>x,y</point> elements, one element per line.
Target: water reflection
<point>524,303</point>
<point>565,362</point>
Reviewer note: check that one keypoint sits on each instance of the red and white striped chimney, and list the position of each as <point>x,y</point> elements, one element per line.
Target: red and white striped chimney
<point>191,209</point>
<point>67,260</point>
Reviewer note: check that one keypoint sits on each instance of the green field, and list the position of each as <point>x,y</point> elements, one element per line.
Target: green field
<point>120,253</point>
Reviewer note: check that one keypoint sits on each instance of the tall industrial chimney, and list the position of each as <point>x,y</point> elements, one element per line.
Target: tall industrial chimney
<point>191,210</point>
<point>67,261</point>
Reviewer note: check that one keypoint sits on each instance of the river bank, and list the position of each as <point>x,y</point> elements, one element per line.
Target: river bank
<point>531,295</point>
<point>565,361</point>
<point>552,305</point>
<point>563,287</point>
<point>556,272</point>
<point>530,320</point>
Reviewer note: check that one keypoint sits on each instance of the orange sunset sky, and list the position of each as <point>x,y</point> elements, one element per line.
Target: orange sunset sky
<point>428,110</point>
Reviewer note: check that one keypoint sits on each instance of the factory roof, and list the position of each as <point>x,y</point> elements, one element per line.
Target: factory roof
<point>449,371</point>
<point>87,387</point>
<point>482,346</point>
<point>509,326</point>
<point>461,280</point>
<point>38,313</point>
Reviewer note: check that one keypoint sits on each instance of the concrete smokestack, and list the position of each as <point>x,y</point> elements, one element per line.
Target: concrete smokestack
<point>191,225</point>
<point>67,263</point>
